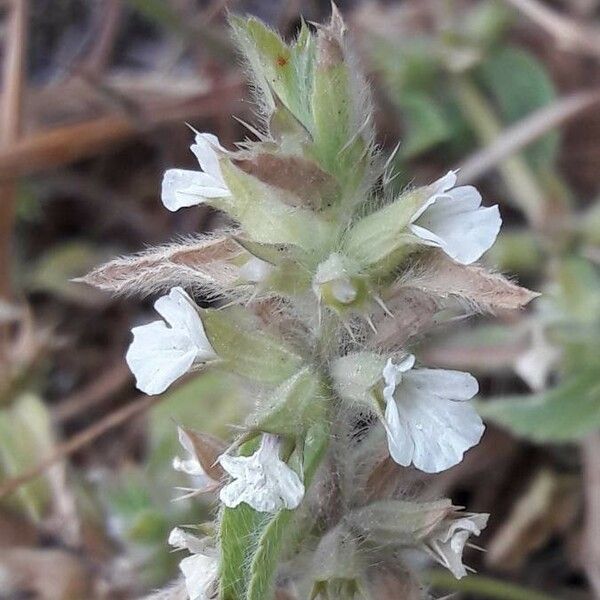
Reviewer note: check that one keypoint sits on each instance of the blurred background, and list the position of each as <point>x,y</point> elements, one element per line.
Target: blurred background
<point>94,100</point>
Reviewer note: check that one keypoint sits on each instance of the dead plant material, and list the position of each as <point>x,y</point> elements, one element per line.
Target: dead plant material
<point>481,290</point>
<point>201,263</point>
<point>517,136</point>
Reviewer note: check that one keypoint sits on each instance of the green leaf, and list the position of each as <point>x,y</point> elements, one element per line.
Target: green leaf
<point>277,67</point>
<point>340,125</point>
<point>294,406</point>
<point>269,215</point>
<point>425,122</point>
<point>565,413</point>
<point>378,236</point>
<point>240,340</point>
<point>26,437</point>
<point>520,84</point>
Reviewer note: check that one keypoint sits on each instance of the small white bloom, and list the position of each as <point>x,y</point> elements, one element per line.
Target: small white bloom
<point>454,220</point>
<point>262,480</point>
<point>201,569</point>
<point>181,187</point>
<point>255,270</point>
<point>536,364</point>
<point>161,353</point>
<point>428,421</point>
<point>448,542</point>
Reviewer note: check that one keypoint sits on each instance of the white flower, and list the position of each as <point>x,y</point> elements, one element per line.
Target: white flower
<point>161,353</point>
<point>454,220</point>
<point>262,480</point>
<point>201,569</point>
<point>255,270</point>
<point>181,188</point>
<point>428,421</point>
<point>447,543</point>
<point>536,364</point>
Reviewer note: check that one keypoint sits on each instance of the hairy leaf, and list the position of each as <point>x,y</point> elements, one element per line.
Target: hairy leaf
<point>565,413</point>
<point>202,263</point>
<point>480,289</point>
<point>240,340</point>
<point>270,215</point>
<point>309,184</point>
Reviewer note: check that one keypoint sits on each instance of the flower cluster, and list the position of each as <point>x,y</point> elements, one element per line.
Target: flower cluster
<point>316,274</point>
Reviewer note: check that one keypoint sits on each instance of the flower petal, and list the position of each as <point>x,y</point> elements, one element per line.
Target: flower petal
<point>262,480</point>
<point>400,442</point>
<point>158,356</point>
<point>456,223</point>
<point>444,383</point>
<point>435,190</point>
<point>205,150</point>
<point>441,428</point>
<point>182,188</point>
<point>200,573</point>
<point>180,311</point>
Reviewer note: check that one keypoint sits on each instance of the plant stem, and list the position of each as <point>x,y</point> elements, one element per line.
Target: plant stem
<point>483,587</point>
<point>517,175</point>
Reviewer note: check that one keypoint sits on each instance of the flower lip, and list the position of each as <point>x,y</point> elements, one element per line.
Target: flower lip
<point>447,543</point>
<point>428,421</point>
<point>454,220</point>
<point>163,351</point>
<point>183,188</point>
<point>261,480</point>
<point>200,569</point>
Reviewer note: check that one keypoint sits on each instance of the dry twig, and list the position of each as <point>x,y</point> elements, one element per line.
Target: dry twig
<point>526,131</point>
<point>568,33</point>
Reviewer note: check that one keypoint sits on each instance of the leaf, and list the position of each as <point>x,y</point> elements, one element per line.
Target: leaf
<point>399,522</point>
<point>426,125</point>
<point>270,215</point>
<point>202,262</point>
<point>310,185</point>
<point>239,339</point>
<point>341,111</point>
<point>520,85</point>
<point>57,267</point>
<point>277,67</point>
<point>294,406</point>
<point>566,413</point>
<point>26,437</point>
<point>209,401</point>
<point>480,289</point>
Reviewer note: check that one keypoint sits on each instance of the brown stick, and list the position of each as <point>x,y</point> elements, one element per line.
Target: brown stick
<point>591,551</point>
<point>106,384</point>
<point>61,146</point>
<point>10,126</point>
<point>80,440</point>
<point>568,33</point>
<point>522,133</point>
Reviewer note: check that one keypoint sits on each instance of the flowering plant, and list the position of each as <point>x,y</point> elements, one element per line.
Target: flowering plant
<point>327,277</point>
